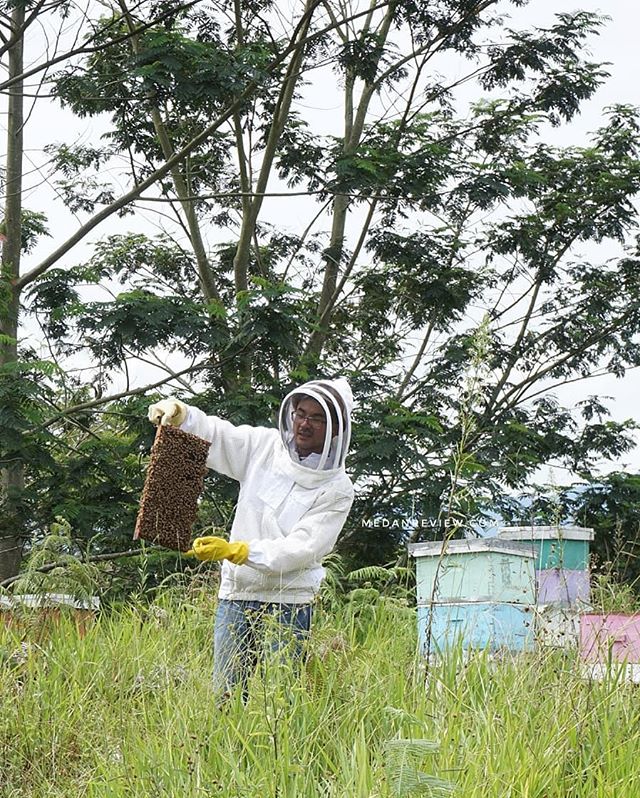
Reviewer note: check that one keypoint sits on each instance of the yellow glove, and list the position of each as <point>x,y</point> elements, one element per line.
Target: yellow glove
<point>212,548</point>
<point>167,412</point>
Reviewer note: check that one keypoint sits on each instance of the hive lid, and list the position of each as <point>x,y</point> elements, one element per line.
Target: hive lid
<point>485,545</point>
<point>531,533</point>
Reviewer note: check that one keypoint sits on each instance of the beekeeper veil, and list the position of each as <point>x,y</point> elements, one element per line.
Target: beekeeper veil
<point>336,400</point>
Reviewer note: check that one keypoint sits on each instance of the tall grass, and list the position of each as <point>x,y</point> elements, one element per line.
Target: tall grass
<point>127,710</point>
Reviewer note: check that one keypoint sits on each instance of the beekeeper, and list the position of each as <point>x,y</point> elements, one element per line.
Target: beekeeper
<point>294,499</point>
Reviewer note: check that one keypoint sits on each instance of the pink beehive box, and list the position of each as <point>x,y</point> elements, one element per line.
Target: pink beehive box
<point>611,637</point>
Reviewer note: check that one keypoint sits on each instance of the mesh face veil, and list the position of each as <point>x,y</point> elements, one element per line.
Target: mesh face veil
<point>336,400</point>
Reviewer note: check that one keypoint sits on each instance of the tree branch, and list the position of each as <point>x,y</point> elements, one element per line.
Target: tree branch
<point>136,191</point>
<point>51,566</point>
<point>283,105</point>
<point>85,50</point>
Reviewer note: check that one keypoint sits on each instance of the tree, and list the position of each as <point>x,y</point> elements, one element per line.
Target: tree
<point>426,218</point>
<point>230,81</point>
<point>12,475</point>
<point>612,508</point>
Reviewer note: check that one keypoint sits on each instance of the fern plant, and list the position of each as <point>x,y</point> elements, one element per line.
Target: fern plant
<point>332,588</point>
<point>372,574</point>
<point>391,581</point>
<point>403,760</point>
<point>52,568</point>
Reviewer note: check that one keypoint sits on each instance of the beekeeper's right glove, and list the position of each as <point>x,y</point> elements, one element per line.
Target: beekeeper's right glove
<point>212,548</point>
<point>167,412</point>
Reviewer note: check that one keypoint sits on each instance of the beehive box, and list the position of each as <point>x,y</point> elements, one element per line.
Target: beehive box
<point>37,614</point>
<point>174,482</point>
<point>485,571</point>
<point>492,626</point>
<point>610,637</point>
<point>610,647</point>
<point>557,626</point>
<point>477,594</point>
<point>615,672</point>
<point>563,588</point>
<point>564,547</point>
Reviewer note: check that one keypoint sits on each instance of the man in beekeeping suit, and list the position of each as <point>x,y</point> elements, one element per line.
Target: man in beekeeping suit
<point>294,500</point>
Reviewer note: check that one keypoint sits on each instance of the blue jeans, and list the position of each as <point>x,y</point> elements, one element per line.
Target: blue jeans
<point>239,638</point>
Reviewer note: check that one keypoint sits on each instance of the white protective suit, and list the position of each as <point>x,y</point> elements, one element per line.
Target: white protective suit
<point>290,511</point>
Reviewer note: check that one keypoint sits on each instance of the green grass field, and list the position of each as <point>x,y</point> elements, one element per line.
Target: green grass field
<point>127,710</point>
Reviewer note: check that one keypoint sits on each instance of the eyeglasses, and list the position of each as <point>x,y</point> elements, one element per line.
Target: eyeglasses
<point>316,421</point>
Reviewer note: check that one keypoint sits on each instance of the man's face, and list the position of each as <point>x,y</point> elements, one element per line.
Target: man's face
<point>309,427</point>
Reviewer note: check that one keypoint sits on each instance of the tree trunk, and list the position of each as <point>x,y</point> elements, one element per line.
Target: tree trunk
<point>252,208</point>
<point>355,117</point>
<point>12,474</point>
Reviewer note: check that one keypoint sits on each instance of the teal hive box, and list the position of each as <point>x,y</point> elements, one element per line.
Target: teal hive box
<point>486,626</point>
<point>486,570</point>
<point>565,547</point>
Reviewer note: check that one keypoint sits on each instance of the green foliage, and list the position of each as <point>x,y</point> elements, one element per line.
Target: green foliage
<point>611,506</point>
<point>610,595</point>
<point>421,271</point>
<point>73,159</point>
<point>32,227</point>
<point>554,52</point>
<point>407,162</point>
<point>403,774</point>
<point>99,491</point>
<point>371,573</point>
<point>362,57</point>
<point>23,389</point>
<point>140,319</point>
<point>172,66</point>
<point>467,214</point>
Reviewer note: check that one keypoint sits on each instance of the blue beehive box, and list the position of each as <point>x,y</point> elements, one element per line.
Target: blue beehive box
<point>492,626</point>
<point>475,593</point>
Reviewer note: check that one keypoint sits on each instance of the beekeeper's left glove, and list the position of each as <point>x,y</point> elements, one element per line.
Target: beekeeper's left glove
<point>213,548</point>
